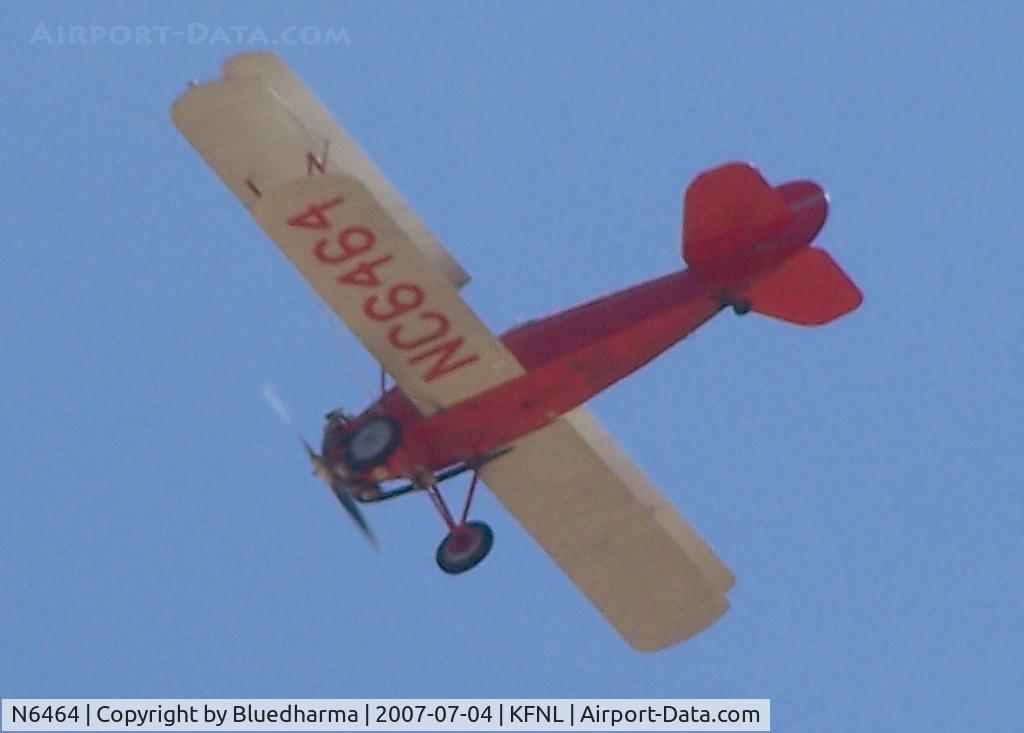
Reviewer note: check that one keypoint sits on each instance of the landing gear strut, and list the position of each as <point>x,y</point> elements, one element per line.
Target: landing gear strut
<point>467,543</point>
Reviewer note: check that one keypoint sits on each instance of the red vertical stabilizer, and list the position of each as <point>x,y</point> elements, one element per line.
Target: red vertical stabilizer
<point>728,209</point>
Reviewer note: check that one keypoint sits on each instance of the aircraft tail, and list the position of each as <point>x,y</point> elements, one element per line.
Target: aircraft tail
<point>728,209</point>
<point>732,208</point>
<point>810,289</point>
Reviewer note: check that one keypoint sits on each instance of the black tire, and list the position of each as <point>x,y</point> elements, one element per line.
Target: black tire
<point>465,547</point>
<point>372,443</point>
<point>742,307</point>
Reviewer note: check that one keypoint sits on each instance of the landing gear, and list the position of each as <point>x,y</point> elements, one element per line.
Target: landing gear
<point>741,307</point>
<point>467,543</point>
<point>373,442</point>
<point>464,547</point>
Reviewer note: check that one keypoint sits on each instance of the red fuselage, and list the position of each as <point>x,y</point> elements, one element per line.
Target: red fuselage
<point>571,356</point>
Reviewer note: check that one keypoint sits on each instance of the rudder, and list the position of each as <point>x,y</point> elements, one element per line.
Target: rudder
<point>728,208</point>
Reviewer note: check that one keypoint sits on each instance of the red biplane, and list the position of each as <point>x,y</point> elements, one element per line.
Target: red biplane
<point>509,410</point>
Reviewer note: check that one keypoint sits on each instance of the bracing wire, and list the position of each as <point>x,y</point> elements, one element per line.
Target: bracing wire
<point>345,350</point>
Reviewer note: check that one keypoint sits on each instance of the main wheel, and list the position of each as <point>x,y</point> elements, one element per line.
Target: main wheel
<point>741,307</point>
<point>373,442</point>
<point>464,547</point>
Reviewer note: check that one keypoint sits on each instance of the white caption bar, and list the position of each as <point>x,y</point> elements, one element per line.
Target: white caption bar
<point>386,715</point>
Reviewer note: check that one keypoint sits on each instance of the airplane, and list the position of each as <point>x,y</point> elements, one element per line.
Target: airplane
<point>509,410</point>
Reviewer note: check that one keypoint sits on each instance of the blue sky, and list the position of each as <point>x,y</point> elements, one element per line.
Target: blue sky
<point>160,534</point>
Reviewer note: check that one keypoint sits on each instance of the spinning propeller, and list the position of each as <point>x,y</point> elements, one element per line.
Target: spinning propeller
<point>337,483</point>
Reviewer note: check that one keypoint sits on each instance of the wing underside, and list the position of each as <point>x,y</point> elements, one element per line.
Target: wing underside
<point>345,228</point>
<point>261,126</point>
<point>405,312</point>
<point>612,532</point>
<point>357,243</point>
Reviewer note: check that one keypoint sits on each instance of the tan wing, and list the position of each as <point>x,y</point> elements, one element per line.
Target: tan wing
<point>260,126</point>
<point>367,269</point>
<point>613,533</point>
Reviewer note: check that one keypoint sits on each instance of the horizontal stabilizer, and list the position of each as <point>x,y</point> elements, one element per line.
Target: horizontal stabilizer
<point>727,209</point>
<point>810,290</point>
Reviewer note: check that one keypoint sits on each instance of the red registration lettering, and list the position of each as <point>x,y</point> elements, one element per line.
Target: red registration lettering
<point>441,325</point>
<point>442,365</point>
<point>402,298</point>
<point>364,274</point>
<point>351,242</point>
<point>314,217</point>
